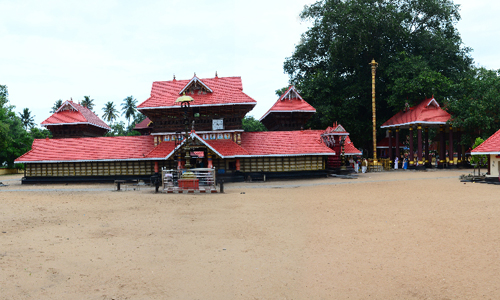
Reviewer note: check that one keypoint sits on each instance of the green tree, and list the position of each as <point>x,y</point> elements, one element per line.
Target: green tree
<point>14,139</point>
<point>27,119</point>
<point>129,108</point>
<point>87,102</point>
<point>56,105</point>
<point>419,51</point>
<point>37,133</point>
<point>477,107</point>
<point>110,112</point>
<point>249,123</point>
<point>478,160</point>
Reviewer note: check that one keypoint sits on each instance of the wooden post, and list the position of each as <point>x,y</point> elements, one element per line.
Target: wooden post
<point>397,143</point>
<point>419,145</point>
<point>426,137</point>
<point>450,148</point>
<point>390,148</point>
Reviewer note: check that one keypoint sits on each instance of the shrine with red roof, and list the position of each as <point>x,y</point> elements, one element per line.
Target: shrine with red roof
<point>209,127</point>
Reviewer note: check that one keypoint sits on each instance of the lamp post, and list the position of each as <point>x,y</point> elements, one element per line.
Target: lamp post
<point>374,65</point>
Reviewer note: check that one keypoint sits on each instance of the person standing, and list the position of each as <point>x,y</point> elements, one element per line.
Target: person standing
<point>364,165</point>
<point>396,162</point>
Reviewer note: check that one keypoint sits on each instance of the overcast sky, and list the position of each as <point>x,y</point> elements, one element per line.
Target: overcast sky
<point>109,50</point>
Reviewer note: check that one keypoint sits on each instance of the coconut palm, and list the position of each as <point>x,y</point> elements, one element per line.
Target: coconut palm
<point>87,102</point>
<point>110,112</point>
<point>27,119</point>
<point>129,108</point>
<point>56,106</point>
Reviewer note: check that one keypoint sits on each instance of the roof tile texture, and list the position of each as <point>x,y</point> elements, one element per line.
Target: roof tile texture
<point>492,144</point>
<point>421,113</point>
<point>226,90</point>
<point>80,114</point>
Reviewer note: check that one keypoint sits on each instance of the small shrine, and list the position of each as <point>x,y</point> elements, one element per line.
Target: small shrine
<point>74,120</point>
<point>427,114</point>
<point>290,112</point>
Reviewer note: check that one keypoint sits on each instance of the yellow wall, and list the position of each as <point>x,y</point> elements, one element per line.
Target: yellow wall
<point>494,165</point>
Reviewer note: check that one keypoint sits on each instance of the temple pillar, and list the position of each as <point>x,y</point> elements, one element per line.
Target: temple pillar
<point>397,144</point>
<point>426,142</point>
<point>411,162</point>
<point>459,147</point>
<point>390,148</point>
<point>420,163</point>
<point>238,164</point>
<point>450,148</point>
<point>157,168</point>
<point>442,151</point>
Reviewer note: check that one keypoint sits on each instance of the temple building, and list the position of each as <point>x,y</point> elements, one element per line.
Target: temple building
<point>491,148</point>
<point>290,112</point>
<point>73,120</point>
<point>208,124</point>
<point>427,114</point>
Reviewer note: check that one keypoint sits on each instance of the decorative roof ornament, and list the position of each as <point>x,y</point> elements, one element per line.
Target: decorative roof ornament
<point>174,76</point>
<point>195,84</point>
<point>216,76</point>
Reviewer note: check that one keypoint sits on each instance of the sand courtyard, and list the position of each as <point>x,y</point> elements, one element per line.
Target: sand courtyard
<point>390,235</point>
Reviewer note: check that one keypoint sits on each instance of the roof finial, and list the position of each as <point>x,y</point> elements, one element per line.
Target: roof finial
<point>174,76</point>
<point>194,74</point>
<point>216,76</point>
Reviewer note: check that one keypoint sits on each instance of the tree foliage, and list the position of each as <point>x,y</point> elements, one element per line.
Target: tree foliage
<point>250,124</point>
<point>478,160</point>
<point>415,42</point>
<point>56,105</point>
<point>27,119</point>
<point>14,139</point>
<point>129,106</point>
<point>110,112</point>
<point>87,102</point>
<point>477,108</point>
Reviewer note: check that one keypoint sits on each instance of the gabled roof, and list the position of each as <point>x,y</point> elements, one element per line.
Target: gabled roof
<point>71,113</point>
<point>290,101</point>
<point>335,129</point>
<point>285,143</point>
<point>115,148</point>
<point>490,146</point>
<point>220,91</point>
<point>223,148</point>
<point>427,112</point>
<point>143,124</point>
<point>195,81</point>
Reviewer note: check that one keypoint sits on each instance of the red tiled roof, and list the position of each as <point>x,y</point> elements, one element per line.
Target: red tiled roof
<point>71,113</point>
<point>143,124</point>
<point>286,143</point>
<point>349,148</point>
<point>163,150</point>
<point>227,148</point>
<point>290,101</point>
<point>384,143</point>
<point>427,112</point>
<point>226,91</point>
<point>490,146</point>
<point>89,149</point>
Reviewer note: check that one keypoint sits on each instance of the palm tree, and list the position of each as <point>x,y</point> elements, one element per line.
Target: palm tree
<point>27,119</point>
<point>87,102</point>
<point>110,112</point>
<point>129,108</point>
<point>56,106</point>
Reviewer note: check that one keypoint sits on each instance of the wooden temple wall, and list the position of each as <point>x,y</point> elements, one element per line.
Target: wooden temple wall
<point>95,168</point>
<point>282,164</point>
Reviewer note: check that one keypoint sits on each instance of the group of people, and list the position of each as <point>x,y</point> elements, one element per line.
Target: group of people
<point>355,162</point>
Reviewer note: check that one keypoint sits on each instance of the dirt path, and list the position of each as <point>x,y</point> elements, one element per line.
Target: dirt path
<point>391,235</point>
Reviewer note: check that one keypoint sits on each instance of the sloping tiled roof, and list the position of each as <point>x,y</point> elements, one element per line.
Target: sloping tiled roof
<point>162,150</point>
<point>143,124</point>
<point>427,112</point>
<point>89,149</point>
<point>71,113</point>
<point>226,91</point>
<point>490,146</point>
<point>349,148</point>
<point>285,143</point>
<point>290,101</point>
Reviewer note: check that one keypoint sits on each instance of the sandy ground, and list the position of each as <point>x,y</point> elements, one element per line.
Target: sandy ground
<point>390,235</point>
